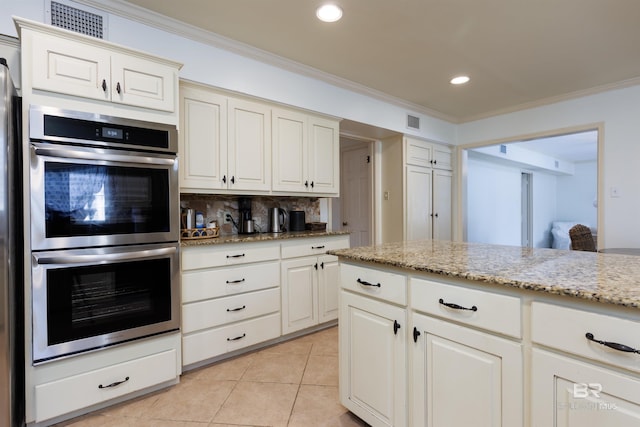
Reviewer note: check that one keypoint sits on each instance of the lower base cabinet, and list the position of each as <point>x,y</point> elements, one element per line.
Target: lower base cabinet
<point>373,360</point>
<point>463,377</point>
<point>570,393</point>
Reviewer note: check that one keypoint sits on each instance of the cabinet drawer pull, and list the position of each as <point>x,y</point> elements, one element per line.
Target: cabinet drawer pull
<point>104,85</point>
<point>237,309</point>
<point>362,282</point>
<point>416,334</point>
<point>396,326</point>
<point>456,306</point>
<point>613,345</point>
<point>117,383</point>
<point>317,247</point>
<point>237,338</point>
<point>118,88</point>
<point>229,282</point>
<point>235,256</point>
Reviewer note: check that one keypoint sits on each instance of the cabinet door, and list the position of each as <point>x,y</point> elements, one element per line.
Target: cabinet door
<point>290,151</point>
<point>373,370</point>
<point>418,203</point>
<point>324,156</point>
<point>569,393</point>
<point>418,153</point>
<point>464,377</point>
<point>442,184</point>
<point>299,294</point>
<point>328,288</point>
<point>69,67</point>
<point>442,157</point>
<point>203,140</point>
<point>143,83</point>
<point>249,146</point>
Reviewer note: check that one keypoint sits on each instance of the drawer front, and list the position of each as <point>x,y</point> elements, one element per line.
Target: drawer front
<point>204,345</point>
<point>311,246</point>
<point>493,312</point>
<point>566,328</point>
<point>208,314</point>
<point>376,283</point>
<point>60,397</point>
<point>219,282</point>
<point>224,255</point>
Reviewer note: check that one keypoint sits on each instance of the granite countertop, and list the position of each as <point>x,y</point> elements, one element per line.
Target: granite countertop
<point>258,237</point>
<point>599,277</point>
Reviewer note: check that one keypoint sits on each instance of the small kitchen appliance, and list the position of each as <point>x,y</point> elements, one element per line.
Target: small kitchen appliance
<point>277,220</point>
<point>245,223</point>
<point>296,221</point>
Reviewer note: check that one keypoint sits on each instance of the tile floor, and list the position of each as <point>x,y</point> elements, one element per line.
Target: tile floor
<point>289,384</point>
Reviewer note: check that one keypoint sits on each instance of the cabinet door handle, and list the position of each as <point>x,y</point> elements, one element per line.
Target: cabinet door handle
<point>315,266</point>
<point>322,265</point>
<point>118,88</point>
<point>229,282</point>
<point>613,345</point>
<point>396,326</point>
<point>362,282</point>
<point>235,256</point>
<point>233,179</point>
<point>436,215</point>
<point>237,309</point>
<point>224,179</point>
<point>317,247</point>
<point>416,334</point>
<point>306,184</point>
<point>237,338</point>
<point>456,306</point>
<point>311,184</point>
<point>117,383</point>
<point>104,85</point>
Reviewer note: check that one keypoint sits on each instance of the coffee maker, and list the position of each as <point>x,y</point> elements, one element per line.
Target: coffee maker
<point>245,222</point>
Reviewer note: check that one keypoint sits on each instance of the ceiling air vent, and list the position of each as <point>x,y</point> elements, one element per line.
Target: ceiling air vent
<point>89,22</point>
<point>413,122</point>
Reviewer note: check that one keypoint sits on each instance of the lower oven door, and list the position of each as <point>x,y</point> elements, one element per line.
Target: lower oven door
<point>91,298</point>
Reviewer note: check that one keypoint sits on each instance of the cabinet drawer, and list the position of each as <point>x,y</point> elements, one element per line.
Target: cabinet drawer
<point>218,282</point>
<point>566,328</point>
<point>223,255</point>
<point>207,314</point>
<point>312,246</point>
<point>214,342</point>
<point>494,312</point>
<point>384,285</point>
<point>79,391</point>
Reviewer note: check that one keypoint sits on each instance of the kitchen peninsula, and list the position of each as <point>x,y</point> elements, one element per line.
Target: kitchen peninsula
<point>475,334</point>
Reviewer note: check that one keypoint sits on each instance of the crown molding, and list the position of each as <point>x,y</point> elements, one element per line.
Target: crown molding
<point>156,20</point>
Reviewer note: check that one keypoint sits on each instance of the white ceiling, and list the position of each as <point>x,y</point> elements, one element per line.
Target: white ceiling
<point>518,53</point>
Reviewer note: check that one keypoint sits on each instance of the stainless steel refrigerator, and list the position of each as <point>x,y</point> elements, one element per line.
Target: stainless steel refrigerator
<point>11,254</point>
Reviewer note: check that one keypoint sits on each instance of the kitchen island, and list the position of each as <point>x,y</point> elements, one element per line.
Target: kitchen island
<point>474,334</point>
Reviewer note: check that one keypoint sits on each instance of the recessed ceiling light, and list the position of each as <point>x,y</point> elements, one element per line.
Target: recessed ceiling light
<point>329,12</point>
<point>459,80</point>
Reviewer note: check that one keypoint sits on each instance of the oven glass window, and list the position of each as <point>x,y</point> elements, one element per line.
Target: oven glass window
<point>93,300</point>
<point>86,200</point>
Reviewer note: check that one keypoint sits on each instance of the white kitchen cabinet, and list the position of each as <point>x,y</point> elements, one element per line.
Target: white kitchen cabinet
<point>461,376</point>
<point>305,153</point>
<point>310,283</point>
<point>203,139</point>
<point>373,363</point>
<point>428,187</point>
<point>588,383</point>
<point>89,68</point>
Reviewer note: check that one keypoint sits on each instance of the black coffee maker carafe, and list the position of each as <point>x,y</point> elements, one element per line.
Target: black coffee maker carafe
<point>245,222</point>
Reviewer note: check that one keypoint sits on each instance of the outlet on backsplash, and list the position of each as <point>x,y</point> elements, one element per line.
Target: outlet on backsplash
<point>215,208</point>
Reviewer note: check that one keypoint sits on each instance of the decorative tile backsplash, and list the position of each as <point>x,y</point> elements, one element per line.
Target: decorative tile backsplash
<point>214,206</point>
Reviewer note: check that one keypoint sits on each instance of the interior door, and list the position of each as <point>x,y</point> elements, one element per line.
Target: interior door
<point>357,210</point>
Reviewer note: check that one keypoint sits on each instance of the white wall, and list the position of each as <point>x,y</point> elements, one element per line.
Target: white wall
<point>619,111</point>
<point>545,196</point>
<point>577,194</point>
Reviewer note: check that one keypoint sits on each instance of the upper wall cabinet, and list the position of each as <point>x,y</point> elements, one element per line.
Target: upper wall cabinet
<point>305,153</point>
<point>230,144</point>
<point>77,65</point>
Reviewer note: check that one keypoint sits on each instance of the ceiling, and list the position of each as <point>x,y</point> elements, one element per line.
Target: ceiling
<point>518,53</point>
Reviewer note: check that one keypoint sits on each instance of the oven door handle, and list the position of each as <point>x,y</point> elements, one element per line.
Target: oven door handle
<point>101,258</point>
<point>70,153</point>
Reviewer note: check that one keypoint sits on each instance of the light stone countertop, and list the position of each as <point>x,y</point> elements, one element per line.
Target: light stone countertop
<point>599,277</point>
<point>258,237</point>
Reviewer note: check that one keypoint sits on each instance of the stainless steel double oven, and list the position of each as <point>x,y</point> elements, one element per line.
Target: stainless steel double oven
<point>104,231</point>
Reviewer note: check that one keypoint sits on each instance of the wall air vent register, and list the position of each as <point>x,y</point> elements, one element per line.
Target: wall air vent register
<point>84,21</point>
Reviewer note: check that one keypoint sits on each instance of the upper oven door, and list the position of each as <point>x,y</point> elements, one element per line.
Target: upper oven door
<point>87,197</point>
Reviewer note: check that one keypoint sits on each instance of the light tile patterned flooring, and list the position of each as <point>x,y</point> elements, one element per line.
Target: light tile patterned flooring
<point>294,384</point>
